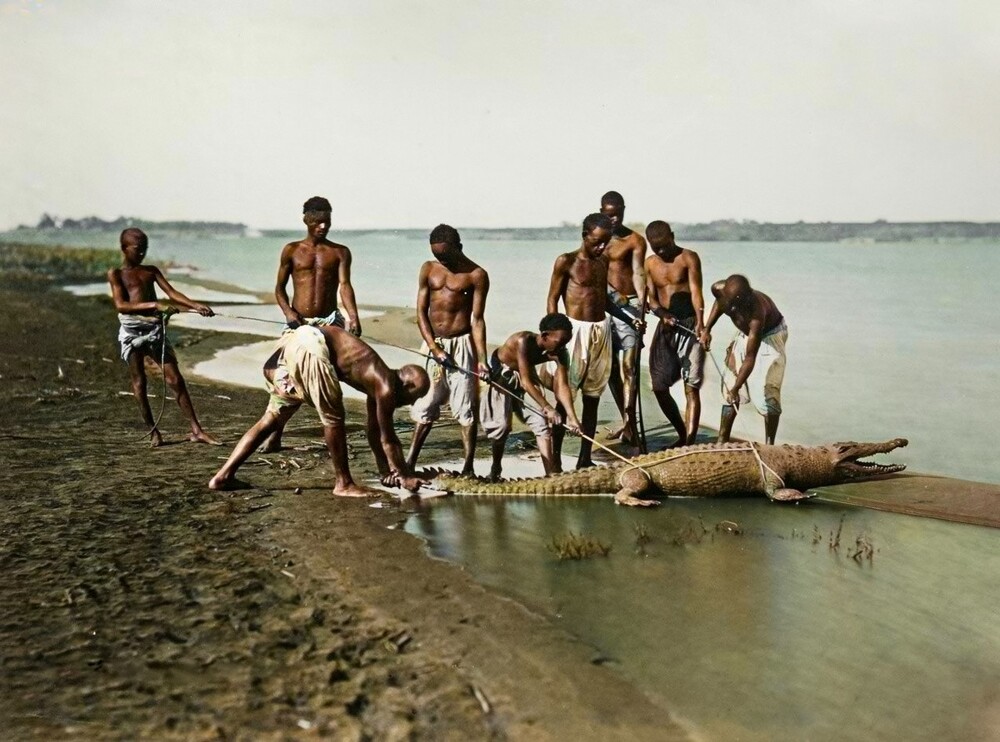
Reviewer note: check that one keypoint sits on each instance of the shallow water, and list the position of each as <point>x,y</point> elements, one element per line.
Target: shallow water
<point>769,634</point>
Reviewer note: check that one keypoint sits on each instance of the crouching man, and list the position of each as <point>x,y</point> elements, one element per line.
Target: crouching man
<point>308,366</point>
<point>513,368</point>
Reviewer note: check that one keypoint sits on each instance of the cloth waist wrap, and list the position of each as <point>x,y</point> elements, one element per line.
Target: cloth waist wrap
<point>305,373</point>
<point>138,331</point>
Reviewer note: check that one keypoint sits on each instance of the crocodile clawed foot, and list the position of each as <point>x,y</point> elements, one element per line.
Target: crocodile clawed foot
<point>623,498</point>
<point>789,495</point>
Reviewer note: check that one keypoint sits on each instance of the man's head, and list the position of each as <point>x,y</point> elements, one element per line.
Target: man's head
<point>660,236</point>
<point>134,244</point>
<point>736,293</point>
<point>316,216</point>
<point>613,205</point>
<point>412,383</point>
<point>597,231</point>
<point>555,331</point>
<point>445,243</point>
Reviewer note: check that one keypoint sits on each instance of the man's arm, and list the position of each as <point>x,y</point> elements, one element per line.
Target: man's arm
<point>280,287</point>
<point>697,298</point>
<point>347,295</point>
<point>385,404</point>
<point>750,359</point>
<point>481,288</point>
<point>375,438</point>
<point>529,381</point>
<point>639,264</point>
<point>178,298</point>
<point>423,314</point>
<point>652,296</point>
<point>557,285</point>
<point>121,300</point>
<point>560,386</point>
<point>705,336</point>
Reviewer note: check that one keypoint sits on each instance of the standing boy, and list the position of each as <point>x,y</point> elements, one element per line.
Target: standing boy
<point>626,289</point>
<point>320,271</point>
<point>673,278</point>
<point>580,279</point>
<point>755,360</point>
<point>451,303</point>
<point>513,367</point>
<point>142,333</point>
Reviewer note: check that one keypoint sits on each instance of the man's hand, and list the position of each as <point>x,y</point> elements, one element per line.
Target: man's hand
<point>354,327</point>
<point>668,319</point>
<point>573,426</point>
<point>639,323</point>
<point>552,415</point>
<point>166,308</point>
<point>412,483</point>
<point>705,338</point>
<point>444,360</point>
<point>728,396</point>
<point>204,310</point>
<point>293,318</point>
<point>484,372</point>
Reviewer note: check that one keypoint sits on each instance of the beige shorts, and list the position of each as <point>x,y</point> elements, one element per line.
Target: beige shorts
<point>763,387</point>
<point>306,374</point>
<point>458,388</point>
<point>589,351</point>
<point>497,409</point>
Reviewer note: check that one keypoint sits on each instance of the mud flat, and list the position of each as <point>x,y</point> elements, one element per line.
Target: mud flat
<point>134,602</point>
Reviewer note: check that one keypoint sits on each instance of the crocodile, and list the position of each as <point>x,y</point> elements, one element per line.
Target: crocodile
<point>780,472</point>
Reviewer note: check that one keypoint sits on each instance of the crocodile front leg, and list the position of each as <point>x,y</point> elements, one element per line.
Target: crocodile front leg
<point>633,482</point>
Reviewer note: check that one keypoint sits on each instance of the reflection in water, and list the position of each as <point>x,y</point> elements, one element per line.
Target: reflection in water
<point>769,633</point>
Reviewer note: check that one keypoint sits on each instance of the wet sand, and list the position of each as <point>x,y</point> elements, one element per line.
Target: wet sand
<point>136,603</point>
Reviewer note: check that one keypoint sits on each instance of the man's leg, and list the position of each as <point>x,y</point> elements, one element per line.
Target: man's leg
<point>726,422</point>
<point>336,444</point>
<point>470,433</point>
<point>544,443</point>
<point>692,412</point>
<point>176,382</point>
<point>673,414</point>
<point>629,356</point>
<point>558,433</point>
<point>137,374</point>
<point>617,392</point>
<point>497,447</point>
<point>771,426</point>
<point>588,422</point>
<point>272,444</point>
<point>225,477</point>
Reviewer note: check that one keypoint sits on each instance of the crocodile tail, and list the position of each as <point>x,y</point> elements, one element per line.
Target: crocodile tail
<point>571,483</point>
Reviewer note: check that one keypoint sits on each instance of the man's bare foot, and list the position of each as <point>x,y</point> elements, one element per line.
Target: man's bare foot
<point>585,464</point>
<point>155,439</point>
<point>679,443</point>
<point>626,433</point>
<point>355,490</point>
<point>468,472</point>
<point>202,437</point>
<point>495,475</point>
<point>225,484</point>
<point>271,444</point>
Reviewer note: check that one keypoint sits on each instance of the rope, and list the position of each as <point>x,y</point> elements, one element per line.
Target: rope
<point>763,466</point>
<point>513,396</point>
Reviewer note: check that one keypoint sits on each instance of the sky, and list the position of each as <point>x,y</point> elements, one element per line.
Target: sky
<point>414,112</point>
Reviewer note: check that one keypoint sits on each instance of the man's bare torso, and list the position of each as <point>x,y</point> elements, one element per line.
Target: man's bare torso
<point>450,297</point>
<point>139,283</point>
<point>671,278</point>
<point>763,309</point>
<point>315,272</point>
<point>619,256</point>
<point>586,288</point>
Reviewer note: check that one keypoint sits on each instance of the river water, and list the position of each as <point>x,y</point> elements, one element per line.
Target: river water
<point>771,633</point>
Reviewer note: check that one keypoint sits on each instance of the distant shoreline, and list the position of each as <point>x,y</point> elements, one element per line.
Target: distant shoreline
<point>725,230</point>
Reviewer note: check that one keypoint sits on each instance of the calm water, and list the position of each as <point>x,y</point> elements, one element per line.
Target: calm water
<point>770,634</point>
<point>766,635</point>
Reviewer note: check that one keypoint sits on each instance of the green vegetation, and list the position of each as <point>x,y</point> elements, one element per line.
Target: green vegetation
<point>578,546</point>
<point>55,263</point>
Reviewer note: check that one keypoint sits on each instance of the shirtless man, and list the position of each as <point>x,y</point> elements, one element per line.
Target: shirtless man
<point>580,279</point>
<point>451,301</point>
<point>308,366</point>
<point>755,360</point>
<point>626,290</point>
<point>513,367</point>
<point>673,278</point>
<point>142,319</point>
<point>320,270</point>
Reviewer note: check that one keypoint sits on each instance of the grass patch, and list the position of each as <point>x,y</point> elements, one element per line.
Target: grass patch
<point>578,546</point>
<point>54,263</point>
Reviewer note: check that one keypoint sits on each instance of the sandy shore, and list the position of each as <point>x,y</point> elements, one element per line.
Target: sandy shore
<point>137,603</point>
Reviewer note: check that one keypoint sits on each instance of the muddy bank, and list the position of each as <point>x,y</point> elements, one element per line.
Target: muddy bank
<point>135,602</point>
